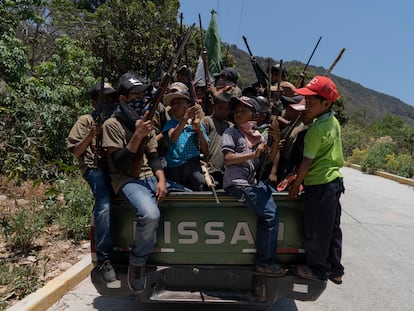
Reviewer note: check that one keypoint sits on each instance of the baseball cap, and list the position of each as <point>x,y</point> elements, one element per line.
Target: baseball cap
<point>229,72</point>
<point>322,86</point>
<point>96,89</point>
<point>168,98</point>
<point>178,86</point>
<point>300,106</point>
<point>130,82</point>
<point>287,100</point>
<point>263,105</point>
<point>250,102</point>
<point>249,89</point>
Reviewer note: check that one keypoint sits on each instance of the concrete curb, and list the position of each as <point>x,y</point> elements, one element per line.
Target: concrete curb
<point>46,296</point>
<point>401,180</point>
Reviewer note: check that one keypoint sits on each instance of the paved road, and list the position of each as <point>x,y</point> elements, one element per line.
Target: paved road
<point>378,227</point>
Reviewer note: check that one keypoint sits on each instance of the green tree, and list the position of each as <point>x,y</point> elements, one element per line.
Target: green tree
<point>137,33</point>
<point>13,61</point>
<point>41,109</point>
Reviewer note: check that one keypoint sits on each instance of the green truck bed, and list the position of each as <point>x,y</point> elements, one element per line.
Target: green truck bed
<point>205,252</point>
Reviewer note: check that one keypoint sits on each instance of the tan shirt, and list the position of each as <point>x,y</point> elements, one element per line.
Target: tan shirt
<point>117,136</point>
<point>79,131</point>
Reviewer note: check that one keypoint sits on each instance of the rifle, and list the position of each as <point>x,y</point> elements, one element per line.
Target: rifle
<point>261,76</point>
<point>275,111</point>
<point>291,127</point>
<point>335,62</point>
<point>209,180</point>
<point>276,104</point>
<point>100,109</point>
<point>299,81</point>
<point>272,144</point>
<point>206,99</point>
<point>156,99</point>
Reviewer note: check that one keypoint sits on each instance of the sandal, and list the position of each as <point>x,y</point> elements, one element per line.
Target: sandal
<point>337,279</point>
<point>305,272</point>
<point>273,270</point>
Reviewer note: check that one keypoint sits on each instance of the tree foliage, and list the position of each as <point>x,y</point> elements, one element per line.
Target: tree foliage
<point>40,109</point>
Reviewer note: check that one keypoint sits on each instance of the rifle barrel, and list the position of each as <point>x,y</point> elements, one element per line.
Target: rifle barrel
<point>247,45</point>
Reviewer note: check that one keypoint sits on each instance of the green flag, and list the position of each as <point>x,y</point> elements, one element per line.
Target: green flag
<point>212,43</point>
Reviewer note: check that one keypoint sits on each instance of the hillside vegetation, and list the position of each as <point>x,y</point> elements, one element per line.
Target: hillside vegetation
<point>357,98</point>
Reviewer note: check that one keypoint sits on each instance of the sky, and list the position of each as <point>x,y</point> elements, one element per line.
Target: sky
<point>378,35</point>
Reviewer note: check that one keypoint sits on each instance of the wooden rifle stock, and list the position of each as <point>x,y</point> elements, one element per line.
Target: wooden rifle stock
<point>335,62</point>
<point>156,99</point>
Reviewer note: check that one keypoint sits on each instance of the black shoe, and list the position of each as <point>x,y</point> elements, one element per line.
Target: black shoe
<point>107,271</point>
<point>136,278</point>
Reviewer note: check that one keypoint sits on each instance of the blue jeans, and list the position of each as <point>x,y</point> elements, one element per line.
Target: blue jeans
<point>100,184</point>
<point>260,201</point>
<point>188,174</point>
<point>140,195</point>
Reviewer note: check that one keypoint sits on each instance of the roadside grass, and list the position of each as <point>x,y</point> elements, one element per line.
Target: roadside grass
<point>35,217</point>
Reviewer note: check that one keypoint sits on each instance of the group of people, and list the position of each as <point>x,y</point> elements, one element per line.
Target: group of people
<point>246,146</point>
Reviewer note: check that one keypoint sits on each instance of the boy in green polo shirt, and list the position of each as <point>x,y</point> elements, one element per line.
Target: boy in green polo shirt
<point>319,171</point>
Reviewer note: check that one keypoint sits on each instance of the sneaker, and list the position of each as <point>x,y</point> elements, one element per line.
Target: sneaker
<point>273,270</point>
<point>107,271</point>
<point>136,278</point>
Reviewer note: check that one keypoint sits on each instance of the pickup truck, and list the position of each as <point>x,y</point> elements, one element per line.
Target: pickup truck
<point>205,253</point>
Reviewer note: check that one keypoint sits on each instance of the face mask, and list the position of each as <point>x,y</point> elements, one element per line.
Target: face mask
<point>139,105</point>
<point>104,111</point>
<point>252,136</point>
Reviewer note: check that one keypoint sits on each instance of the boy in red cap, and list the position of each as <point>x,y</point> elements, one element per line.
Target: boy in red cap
<point>319,170</point>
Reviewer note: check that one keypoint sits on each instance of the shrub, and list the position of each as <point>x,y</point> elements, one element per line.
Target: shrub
<point>376,155</point>
<point>22,228</point>
<point>75,212</point>
<point>358,155</point>
<point>401,165</point>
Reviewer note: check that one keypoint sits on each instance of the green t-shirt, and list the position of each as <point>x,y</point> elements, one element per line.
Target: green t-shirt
<point>323,144</point>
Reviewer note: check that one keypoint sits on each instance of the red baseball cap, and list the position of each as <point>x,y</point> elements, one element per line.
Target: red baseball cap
<point>322,86</point>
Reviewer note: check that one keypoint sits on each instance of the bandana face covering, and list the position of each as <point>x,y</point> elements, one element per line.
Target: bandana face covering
<point>104,111</point>
<point>252,136</point>
<point>140,106</point>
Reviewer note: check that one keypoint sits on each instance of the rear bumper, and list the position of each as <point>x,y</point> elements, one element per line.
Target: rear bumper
<point>212,284</point>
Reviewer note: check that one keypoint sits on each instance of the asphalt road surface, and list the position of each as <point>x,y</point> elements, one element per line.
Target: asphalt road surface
<point>378,255</point>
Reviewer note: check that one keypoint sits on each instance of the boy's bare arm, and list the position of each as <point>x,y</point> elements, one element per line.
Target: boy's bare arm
<point>304,167</point>
<point>80,147</point>
<point>231,158</point>
<point>175,132</point>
